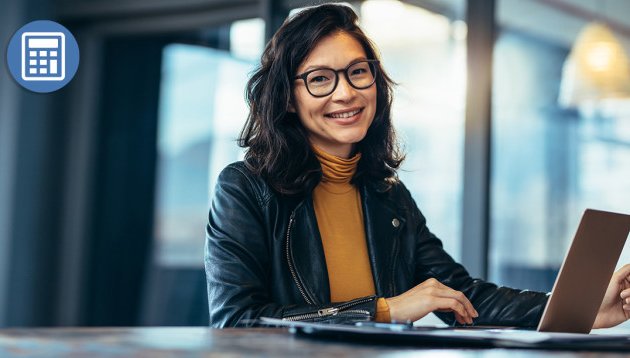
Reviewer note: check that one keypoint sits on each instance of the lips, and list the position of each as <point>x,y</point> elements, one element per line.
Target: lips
<point>344,114</point>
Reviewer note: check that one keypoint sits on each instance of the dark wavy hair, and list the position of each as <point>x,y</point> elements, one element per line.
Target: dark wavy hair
<point>277,143</point>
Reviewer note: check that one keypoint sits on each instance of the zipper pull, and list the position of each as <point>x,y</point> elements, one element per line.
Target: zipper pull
<point>328,311</point>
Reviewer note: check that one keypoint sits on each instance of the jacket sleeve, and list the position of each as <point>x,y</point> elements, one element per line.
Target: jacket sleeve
<point>495,305</point>
<point>238,262</point>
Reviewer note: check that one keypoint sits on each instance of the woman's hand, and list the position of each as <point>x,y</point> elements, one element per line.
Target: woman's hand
<point>615,307</point>
<point>429,296</point>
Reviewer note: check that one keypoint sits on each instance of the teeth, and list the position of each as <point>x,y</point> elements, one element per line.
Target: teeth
<point>345,114</point>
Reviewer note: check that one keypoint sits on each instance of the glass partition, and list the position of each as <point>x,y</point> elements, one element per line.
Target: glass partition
<point>549,163</point>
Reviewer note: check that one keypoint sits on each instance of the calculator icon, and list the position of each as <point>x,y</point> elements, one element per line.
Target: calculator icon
<point>43,56</point>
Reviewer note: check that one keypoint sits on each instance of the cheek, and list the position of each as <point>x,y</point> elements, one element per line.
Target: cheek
<point>370,97</point>
<point>372,100</point>
<point>309,113</point>
<point>312,108</point>
<point>373,95</point>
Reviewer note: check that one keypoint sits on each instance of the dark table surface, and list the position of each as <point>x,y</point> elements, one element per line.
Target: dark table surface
<point>201,341</point>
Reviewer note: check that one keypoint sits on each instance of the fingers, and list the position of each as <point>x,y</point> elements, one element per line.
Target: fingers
<point>437,289</point>
<point>429,296</point>
<point>625,300</point>
<point>449,304</point>
<point>460,297</point>
<point>444,304</point>
<point>463,320</point>
<point>623,273</point>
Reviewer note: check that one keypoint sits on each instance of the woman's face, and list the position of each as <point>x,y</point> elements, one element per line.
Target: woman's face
<point>337,121</point>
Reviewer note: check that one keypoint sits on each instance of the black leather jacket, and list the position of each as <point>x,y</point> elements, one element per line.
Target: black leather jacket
<point>264,257</point>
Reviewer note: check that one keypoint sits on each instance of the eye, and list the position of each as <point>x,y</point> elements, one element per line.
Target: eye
<point>318,79</point>
<point>360,69</point>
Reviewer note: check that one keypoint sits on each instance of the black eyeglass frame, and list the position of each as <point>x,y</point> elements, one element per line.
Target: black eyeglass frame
<point>304,75</point>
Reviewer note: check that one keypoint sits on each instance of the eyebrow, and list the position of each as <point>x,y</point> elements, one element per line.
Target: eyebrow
<point>314,67</point>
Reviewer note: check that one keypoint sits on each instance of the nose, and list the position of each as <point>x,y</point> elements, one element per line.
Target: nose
<point>344,90</point>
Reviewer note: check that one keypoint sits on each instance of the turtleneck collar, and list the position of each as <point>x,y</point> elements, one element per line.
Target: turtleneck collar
<point>335,169</point>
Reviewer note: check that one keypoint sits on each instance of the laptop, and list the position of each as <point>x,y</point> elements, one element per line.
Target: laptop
<point>585,273</point>
<point>570,312</point>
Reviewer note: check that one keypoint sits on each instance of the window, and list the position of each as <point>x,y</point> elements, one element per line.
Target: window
<point>549,163</point>
<point>202,110</point>
<point>425,53</point>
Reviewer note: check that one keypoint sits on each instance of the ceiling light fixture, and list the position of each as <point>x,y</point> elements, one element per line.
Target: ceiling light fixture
<point>597,68</point>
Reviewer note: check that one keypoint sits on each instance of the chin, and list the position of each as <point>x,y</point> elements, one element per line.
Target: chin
<point>353,138</point>
<point>348,140</point>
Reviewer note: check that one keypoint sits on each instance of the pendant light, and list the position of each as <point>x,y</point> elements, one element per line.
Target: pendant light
<point>597,68</point>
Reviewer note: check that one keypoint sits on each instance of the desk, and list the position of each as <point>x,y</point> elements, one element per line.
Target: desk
<point>200,341</point>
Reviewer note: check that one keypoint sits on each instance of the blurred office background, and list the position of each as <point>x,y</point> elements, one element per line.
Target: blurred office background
<point>105,184</point>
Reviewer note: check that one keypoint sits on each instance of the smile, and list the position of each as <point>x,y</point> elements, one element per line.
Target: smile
<point>344,114</point>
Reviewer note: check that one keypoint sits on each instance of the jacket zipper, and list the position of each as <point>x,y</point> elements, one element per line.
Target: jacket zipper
<point>355,302</point>
<point>392,284</point>
<point>342,309</point>
<point>290,261</point>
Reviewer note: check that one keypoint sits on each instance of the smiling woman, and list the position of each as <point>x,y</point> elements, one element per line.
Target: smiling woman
<point>336,112</point>
<point>315,224</point>
<point>297,96</point>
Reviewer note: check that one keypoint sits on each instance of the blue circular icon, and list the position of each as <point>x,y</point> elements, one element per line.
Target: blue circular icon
<point>43,56</point>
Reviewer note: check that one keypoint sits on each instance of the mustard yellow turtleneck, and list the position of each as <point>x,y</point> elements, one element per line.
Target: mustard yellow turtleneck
<point>340,221</point>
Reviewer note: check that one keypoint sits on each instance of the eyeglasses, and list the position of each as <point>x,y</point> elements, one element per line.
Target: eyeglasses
<point>321,82</point>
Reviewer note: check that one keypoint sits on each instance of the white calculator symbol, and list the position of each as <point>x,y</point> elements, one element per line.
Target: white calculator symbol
<point>43,56</point>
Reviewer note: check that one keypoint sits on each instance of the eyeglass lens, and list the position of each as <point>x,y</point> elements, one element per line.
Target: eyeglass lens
<point>323,82</point>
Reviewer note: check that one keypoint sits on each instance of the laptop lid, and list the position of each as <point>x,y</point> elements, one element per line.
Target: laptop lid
<point>585,273</point>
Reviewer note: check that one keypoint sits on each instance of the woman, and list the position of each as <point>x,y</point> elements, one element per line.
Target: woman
<point>314,224</point>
